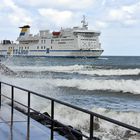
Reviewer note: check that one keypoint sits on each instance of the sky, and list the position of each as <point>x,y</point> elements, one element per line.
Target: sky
<point>117,20</point>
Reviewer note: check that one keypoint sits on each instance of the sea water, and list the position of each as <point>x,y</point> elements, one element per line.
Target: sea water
<point>109,85</point>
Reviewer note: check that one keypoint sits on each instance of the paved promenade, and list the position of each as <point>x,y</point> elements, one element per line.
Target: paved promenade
<point>14,127</point>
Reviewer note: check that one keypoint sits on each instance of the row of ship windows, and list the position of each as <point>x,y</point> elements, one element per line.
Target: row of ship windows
<point>38,47</point>
<point>85,34</point>
<point>89,39</point>
<point>62,39</point>
<point>62,42</point>
<point>24,48</point>
<point>19,48</point>
<point>42,47</point>
<point>27,48</point>
<point>44,41</point>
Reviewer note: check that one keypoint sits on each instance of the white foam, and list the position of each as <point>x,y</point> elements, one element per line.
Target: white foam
<point>132,86</point>
<point>103,58</point>
<point>75,118</point>
<point>48,68</point>
<point>82,84</point>
<point>106,130</point>
<point>92,84</point>
<point>81,69</point>
<point>106,72</point>
<point>130,118</point>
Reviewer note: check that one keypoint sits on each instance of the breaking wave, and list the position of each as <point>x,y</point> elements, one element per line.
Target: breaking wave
<point>112,72</point>
<point>130,85</point>
<point>85,84</point>
<point>103,58</point>
<point>79,120</point>
<point>49,68</point>
<point>50,86</point>
<point>80,69</point>
<point>103,129</point>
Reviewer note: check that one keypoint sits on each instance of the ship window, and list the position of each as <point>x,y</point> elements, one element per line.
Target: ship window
<point>61,42</point>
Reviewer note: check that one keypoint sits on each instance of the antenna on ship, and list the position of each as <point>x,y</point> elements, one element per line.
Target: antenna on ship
<point>85,24</point>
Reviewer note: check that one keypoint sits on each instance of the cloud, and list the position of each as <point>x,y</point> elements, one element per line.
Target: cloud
<point>101,14</point>
<point>63,4</point>
<point>126,14</point>
<point>101,24</point>
<point>43,12</point>
<point>16,15</point>
<point>56,16</point>
<point>110,16</point>
<point>131,22</point>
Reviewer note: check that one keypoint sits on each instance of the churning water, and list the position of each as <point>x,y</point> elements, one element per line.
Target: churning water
<point>109,85</point>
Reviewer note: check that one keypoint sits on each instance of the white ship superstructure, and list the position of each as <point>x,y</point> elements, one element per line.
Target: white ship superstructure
<point>69,42</point>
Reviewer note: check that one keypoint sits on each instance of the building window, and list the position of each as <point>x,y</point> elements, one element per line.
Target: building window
<point>37,47</point>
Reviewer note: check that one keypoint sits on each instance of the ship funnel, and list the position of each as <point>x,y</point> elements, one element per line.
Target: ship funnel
<point>25,30</point>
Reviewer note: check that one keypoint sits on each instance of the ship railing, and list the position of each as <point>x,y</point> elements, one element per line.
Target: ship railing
<point>91,114</point>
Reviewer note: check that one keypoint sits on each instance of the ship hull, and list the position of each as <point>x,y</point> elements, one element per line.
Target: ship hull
<point>58,53</point>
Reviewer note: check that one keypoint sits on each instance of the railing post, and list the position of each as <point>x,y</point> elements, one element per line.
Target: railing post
<point>12,110</point>
<point>52,117</point>
<point>0,94</point>
<point>12,101</point>
<point>91,126</point>
<point>28,113</point>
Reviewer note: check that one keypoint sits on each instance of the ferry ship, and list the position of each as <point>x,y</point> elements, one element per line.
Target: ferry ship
<point>68,42</point>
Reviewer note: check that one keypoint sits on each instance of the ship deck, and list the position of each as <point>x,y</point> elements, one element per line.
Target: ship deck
<point>14,127</point>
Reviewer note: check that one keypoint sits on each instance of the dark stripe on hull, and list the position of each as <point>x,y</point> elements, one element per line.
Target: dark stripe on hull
<point>50,56</point>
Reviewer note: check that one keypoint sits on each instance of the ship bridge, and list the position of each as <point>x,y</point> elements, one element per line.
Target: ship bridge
<point>91,32</point>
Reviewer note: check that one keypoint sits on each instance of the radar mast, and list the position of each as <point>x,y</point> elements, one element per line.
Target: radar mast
<point>85,24</point>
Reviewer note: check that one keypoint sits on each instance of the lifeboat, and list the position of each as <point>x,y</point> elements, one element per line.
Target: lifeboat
<point>56,33</point>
